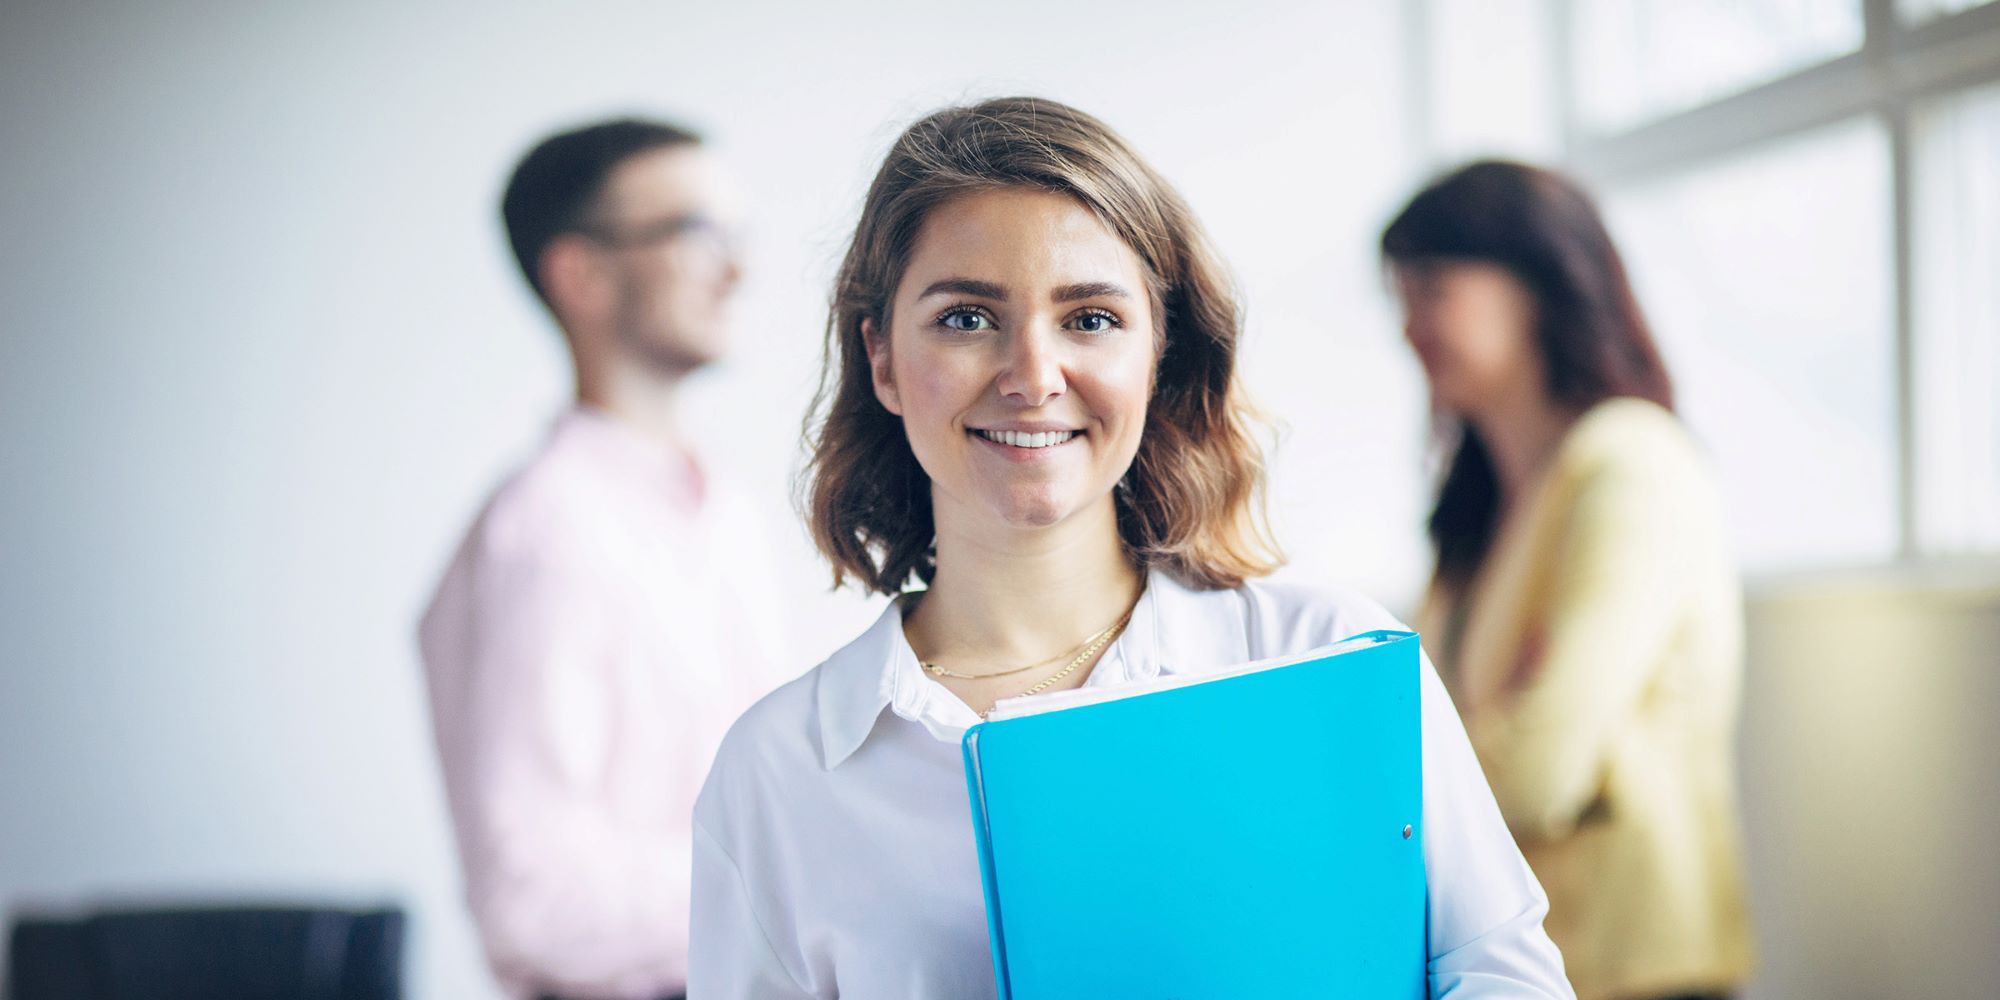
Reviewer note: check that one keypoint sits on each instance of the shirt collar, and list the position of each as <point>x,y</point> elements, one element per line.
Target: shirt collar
<point>879,671</point>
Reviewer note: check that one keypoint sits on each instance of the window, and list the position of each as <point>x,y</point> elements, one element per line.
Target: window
<point>1808,195</point>
<point>1766,276</point>
<point>1921,11</point>
<point>1638,59</point>
<point>1956,276</point>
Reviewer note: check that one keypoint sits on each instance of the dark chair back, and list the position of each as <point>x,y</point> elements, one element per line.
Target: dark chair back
<point>212,953</point>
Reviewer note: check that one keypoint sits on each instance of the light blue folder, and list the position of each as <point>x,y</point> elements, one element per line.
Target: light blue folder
<point>1258,835</point>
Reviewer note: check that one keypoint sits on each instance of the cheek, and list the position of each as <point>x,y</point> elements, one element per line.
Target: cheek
<point>694,283</point>
<point>685,283</point>
<point>931,389</point>
<point>1468,334</point>
<point>1503,348</point>
<point>1119,394</point>
<point>1476,351</point>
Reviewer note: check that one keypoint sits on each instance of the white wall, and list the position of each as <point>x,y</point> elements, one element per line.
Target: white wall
<point>264,352</point>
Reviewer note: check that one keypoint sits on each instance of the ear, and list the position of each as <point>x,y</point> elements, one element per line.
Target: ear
<point>877,342</point>
<point>571,278</point>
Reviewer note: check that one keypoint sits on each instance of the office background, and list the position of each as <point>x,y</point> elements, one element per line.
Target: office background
<point>264,352</point>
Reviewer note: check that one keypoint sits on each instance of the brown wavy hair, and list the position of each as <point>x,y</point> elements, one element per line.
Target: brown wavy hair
<point>1192,501</point>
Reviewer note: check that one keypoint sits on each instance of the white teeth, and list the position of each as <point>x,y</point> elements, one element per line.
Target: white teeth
<point>1022,439</point>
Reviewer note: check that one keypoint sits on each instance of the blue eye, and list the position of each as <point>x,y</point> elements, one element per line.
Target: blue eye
<point>1095,321</point>
<point>964,320</point>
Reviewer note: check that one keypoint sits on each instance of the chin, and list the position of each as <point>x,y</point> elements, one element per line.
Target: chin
<point>1448,401</point>
<point>1038,508</point>
<point>1030,511</point>
<point>685,356</point>
<point>1032,517</point>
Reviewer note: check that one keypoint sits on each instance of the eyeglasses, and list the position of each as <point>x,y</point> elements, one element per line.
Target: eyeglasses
<point>694,229</point>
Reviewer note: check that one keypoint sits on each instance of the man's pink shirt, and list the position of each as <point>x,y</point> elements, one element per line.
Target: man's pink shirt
<point>605,620</point>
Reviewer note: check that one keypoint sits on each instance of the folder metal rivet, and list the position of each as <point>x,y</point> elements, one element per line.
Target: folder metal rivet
<point>1406,831</point>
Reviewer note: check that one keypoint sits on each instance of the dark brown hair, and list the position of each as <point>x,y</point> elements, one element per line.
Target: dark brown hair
<point>1593,341</point>
<point>1190,503</point>
<point>555,187</point>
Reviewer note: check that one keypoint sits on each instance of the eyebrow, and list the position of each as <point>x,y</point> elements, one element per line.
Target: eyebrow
<point>966,286</point>
<point>1091,290</point>
<point>989,290</point>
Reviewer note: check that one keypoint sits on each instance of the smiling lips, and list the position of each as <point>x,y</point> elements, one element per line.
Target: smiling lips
<point>1027,439</point>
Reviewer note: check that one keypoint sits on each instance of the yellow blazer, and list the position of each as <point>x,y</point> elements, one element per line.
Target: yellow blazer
<point>1597,660</point>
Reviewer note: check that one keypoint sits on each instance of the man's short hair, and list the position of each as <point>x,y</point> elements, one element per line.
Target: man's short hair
<point>555,187</point>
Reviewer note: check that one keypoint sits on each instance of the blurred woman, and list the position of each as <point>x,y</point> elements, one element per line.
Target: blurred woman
<point>1033,443</point>
<point>1584,609</point>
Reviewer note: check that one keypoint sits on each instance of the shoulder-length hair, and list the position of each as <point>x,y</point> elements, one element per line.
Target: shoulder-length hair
<point>1192,501</point>
<point>1593,341</point>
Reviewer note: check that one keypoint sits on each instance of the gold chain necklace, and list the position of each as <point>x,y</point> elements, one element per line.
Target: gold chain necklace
<point>1103,639</point>
<point>937,671</point>
<point>1091,647</point>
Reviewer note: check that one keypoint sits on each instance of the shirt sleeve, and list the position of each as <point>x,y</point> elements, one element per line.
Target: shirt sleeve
<point>1486,907</point>
<point>567,894</point>
<point>731,955</point>
<point>1616,585</point>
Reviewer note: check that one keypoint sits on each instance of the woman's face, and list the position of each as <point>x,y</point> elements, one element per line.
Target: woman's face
<point>1472,325</point>
<point>1020,356</point>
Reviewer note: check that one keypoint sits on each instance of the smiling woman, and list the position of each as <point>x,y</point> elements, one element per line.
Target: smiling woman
<point>1135,270</point>
<point>1032,419</point>
<point>987,384</point>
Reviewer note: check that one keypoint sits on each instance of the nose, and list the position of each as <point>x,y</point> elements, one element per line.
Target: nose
<point>1033,373</point>
<point>732,271</point>
<point>1417,330</point>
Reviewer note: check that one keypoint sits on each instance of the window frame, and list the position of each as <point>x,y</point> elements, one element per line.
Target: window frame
<point>1898,66</point>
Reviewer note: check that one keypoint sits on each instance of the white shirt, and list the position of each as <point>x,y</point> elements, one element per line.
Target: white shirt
<point>834,854</point>
<point>603,622</point>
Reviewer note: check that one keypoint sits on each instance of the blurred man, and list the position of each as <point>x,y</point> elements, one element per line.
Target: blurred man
<point>596,634</point>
